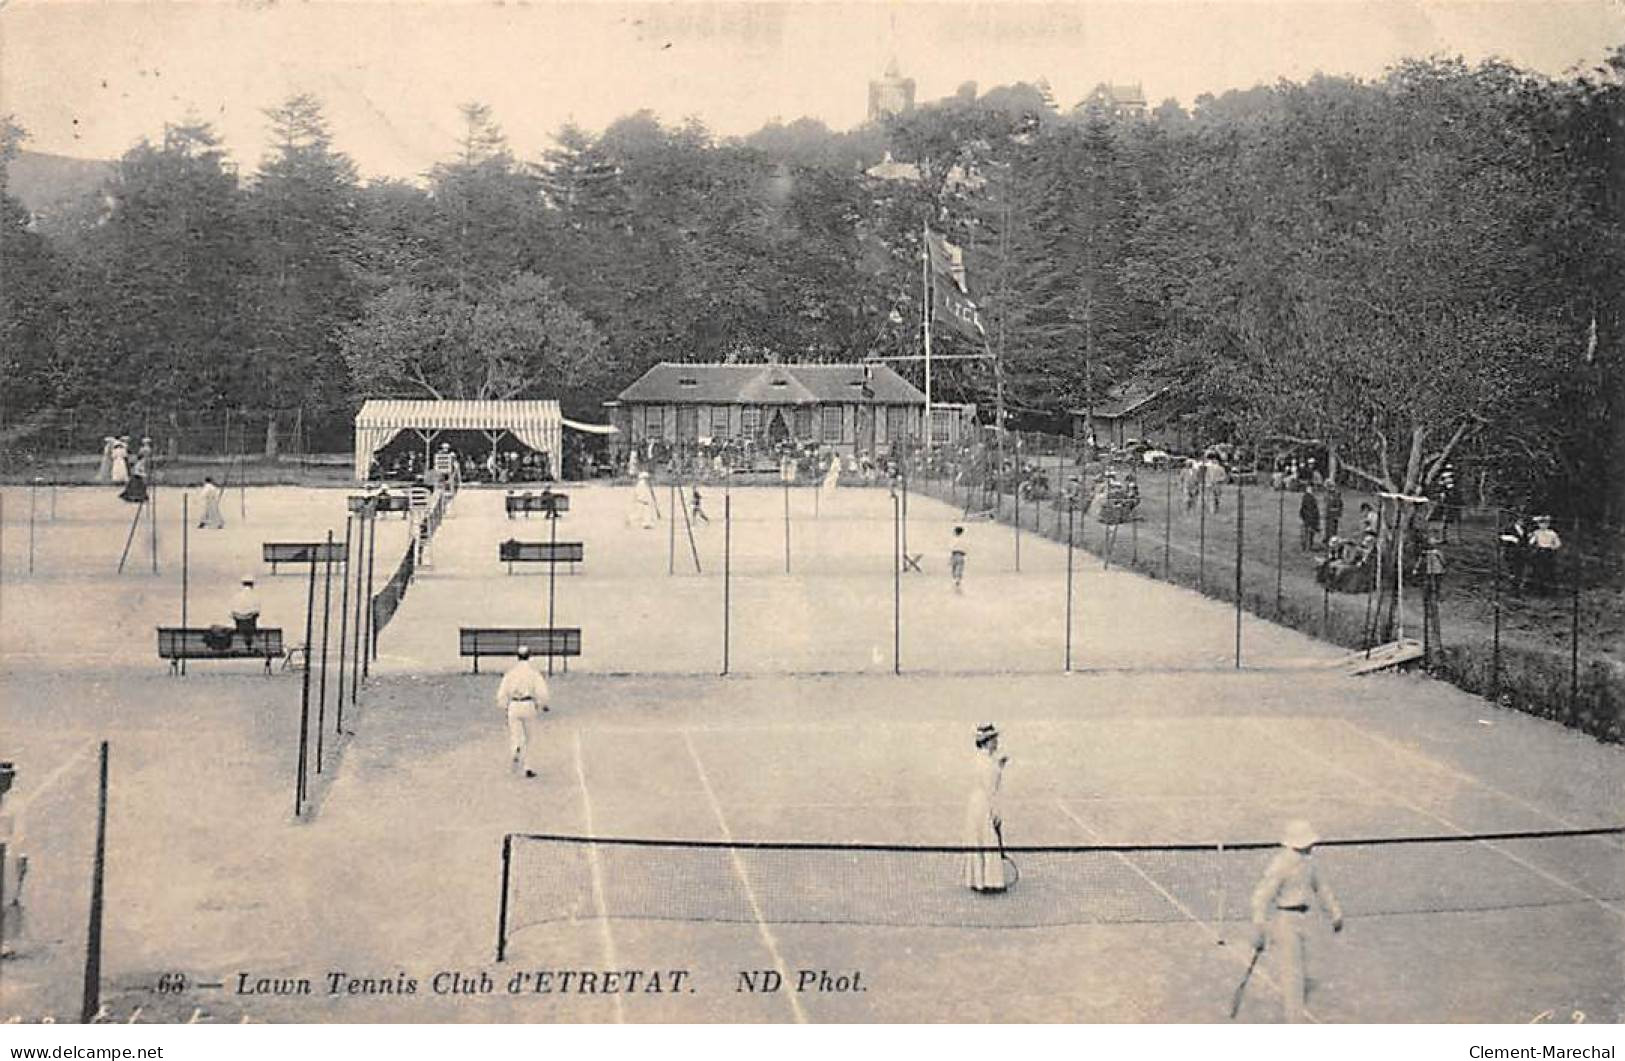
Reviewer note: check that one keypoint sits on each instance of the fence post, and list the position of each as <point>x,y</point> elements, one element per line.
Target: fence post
<point>1241,508</point>
<point>185,563</point>
<point>301,771</point>
<point>1167,517</point>
<point>372,625</point>
<point>344,625</point>
<point>502,904</point>
<point>1019,484</point>
<point>91,998</point>
<point>671,542</point>
<point>364,519</point>
<point>1280,546</point>
<point>33,493</point>
<point>1495,612</point>
<point>1201,548</point>
<point>553,566</point>
<point>327,618</point>
<point>1574,625</point>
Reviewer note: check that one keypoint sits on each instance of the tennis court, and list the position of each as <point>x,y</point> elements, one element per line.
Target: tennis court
<point>813,740</point>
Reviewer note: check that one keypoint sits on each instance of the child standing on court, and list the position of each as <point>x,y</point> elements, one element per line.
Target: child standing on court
<point>956,558</point>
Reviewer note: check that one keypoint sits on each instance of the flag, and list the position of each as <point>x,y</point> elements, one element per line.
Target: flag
<point>951,307</point>
<point>947,261</point>
<point>950,289</point>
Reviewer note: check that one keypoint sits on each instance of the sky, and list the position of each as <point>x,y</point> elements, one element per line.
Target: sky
<point>91,79</point>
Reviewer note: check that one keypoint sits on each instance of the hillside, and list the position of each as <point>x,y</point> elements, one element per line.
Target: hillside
<point>43,183</point>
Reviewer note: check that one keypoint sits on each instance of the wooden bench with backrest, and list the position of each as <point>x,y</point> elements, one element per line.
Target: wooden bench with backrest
<point>548,504</point>
<point>505,641</point>
<point>513,552</point>
<point>176,643</point>
<point>382,502</point>
<point>275,553</point>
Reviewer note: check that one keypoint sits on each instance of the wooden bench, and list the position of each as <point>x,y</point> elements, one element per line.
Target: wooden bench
<point>275,553</point>
<point>552,505</point>
<point>505,641</point>
<point>513,552</point>
<point>401,503</point>
<point>176,643</point>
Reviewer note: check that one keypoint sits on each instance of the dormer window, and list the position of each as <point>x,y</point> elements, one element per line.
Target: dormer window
<point>687,381</point>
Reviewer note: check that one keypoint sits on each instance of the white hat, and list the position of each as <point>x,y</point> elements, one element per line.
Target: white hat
<point>1300,835</point>
<point>248,580</point>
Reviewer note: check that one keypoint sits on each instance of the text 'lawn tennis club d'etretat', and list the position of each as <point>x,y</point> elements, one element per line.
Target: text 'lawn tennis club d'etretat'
<point>337,983</point>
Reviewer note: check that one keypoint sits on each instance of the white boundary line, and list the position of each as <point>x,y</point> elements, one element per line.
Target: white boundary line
<point>1181,907</point>
<point>1450,771</point>
<point>1447,823</point>
<point>739,870</point>
<point>25,803</point>
<point>598,878</point>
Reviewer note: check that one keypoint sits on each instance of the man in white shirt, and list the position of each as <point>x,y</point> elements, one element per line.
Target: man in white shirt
<point>521,693</point>
<point>245,611</point>
<point>1291,890</point>
<point>1543,546</point>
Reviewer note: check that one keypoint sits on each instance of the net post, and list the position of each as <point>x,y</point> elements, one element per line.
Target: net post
<point>897,585</point>
<point>1218,920</point>
<point>186,558</point>
<point>344,627</point>
<point>301,769</point>
<point>1241,522</point>
<point>372,630</point>
<point>502,902</point>
<point>727,572</point>
<point>327,613</point>
<point>152,515</point>
<point>91,1001</point>
<point>552,572</point>
<point>1071,517</point>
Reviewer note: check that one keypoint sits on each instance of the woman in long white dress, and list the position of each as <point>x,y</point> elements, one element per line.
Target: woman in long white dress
<point>984,867</point>
<point>105,469</point>
<point>120,471</point>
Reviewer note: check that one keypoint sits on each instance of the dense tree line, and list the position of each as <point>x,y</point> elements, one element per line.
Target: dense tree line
<point>1410,270</point>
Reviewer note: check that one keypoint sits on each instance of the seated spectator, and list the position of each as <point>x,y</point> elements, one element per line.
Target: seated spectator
<point>245,611</point>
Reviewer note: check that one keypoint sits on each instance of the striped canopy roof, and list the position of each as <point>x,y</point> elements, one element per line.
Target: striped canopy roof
<point>538,424</point>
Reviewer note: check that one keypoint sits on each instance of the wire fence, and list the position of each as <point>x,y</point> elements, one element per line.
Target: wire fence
<point>1522,607</point>
<point>72,445</point>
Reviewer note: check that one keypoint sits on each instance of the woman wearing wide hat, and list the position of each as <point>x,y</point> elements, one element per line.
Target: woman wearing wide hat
<point>984,867</point>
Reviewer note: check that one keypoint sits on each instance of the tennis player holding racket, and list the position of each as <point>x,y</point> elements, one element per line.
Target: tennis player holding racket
<point>985,870</point>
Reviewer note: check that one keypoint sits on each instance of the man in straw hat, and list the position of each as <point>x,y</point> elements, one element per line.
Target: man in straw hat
<point>1282,903</point>
<point>521,694</point>
<point>1543,546</point>
<point>984,869</point>
<point>245,611</point>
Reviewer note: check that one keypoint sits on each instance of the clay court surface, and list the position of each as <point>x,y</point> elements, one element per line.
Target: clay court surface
<point>1157,739</point>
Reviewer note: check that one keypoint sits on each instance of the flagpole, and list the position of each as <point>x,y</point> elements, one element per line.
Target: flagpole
<point>925,285</point>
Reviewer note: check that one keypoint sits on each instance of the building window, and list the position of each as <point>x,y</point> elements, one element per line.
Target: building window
<point>653,422</point>
<point>750,421</point>
<point>896,422</point>
<point>688,423</point>
<point>832,423</point>
<point>942,425</point>
<point>804,424</point>
<point>719,421</point>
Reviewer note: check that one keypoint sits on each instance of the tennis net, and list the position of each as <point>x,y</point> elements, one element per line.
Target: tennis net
<point>550,878</point>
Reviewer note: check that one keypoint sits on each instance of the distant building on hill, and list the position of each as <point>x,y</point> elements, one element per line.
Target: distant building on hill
<point>1114,101</point>
<point>890,93</point>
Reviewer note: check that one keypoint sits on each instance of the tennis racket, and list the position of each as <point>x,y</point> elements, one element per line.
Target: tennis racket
<point>1012,873</point>
<point>1241,988</point>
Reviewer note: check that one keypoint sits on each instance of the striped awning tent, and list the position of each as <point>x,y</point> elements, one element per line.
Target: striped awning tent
<point>538,424</point>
